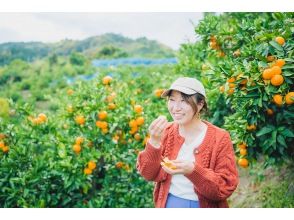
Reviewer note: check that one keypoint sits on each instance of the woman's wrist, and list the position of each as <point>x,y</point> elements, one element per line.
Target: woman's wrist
<point>154,143</point>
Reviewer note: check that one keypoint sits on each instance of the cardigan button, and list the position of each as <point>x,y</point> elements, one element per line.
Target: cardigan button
<point>196,151</point>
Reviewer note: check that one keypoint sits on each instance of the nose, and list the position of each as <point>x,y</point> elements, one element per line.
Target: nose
<point>177,106</point>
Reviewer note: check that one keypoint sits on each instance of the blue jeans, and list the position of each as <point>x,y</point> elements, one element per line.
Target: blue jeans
<point>177,202</point>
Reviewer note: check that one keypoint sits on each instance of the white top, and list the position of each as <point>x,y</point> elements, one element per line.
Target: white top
<point>181,186</point>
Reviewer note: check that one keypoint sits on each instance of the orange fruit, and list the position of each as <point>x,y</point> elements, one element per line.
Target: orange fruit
<point>91,165</point>
<point>242,145</point>
<point>213,45</point>
<point>2,144</point>
<point>280,63</point>
<point>232,85</point>
<point>212,38</point>
<point>134,130</point>
<point>5,149</point>
<point>119,165</point>
<point>79,140</point>
<point>137,137</point>
<point>139,121</point>
<point>222,89</point>
<point>269,111</point>
<point>221,54</point>
<point>251,127</point>
<point>69,92</point>
<point>270,58</point>
<point>243,152</point>
<point>42,117</point>
<point>101,124</point>
<point>280,40</point>
<point>133,123</point>
<point>243,162</point>
<point>231,91</point>
<point>158,92</point>
<point>277,80</point>
<point>104,130</point>
<point>237,53</point>
<point>87,171</point>
<point>276,70</point>
<point>278,99</point>
<point>37,121</point>
<point>167,163</point>
<point>106,80</point>
<point>289,98</point>
<point>80,119</point>
<point>77,148</point>
<point>102,115</point>
<point>138,108</point>
<point>110,98</point>
<point>231,80</point>
<point>111,106</point>
<point>267,74</point>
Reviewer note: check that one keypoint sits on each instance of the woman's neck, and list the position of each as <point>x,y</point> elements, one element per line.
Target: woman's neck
<point>194,126</point>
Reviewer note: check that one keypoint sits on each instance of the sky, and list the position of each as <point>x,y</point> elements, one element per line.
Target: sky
<point>169,28</point>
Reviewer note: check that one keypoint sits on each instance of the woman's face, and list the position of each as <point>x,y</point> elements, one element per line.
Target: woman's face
<point>181,111</point>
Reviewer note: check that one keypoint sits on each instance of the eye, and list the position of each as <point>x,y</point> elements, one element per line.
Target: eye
<point>171,99</point>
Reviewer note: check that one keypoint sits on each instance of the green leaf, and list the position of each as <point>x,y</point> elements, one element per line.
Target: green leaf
<point>282,141</point>
<point>265,130</point>
<point>276,45</point>
<point>287,133</point>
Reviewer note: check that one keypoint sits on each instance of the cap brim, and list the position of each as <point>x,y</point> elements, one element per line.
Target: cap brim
<point>180,89</point>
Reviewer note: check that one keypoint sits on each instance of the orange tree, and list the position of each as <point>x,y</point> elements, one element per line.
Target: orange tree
<point>84,155</point>
<point>246,59</point>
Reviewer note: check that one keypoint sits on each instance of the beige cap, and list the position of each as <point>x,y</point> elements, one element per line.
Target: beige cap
<point>186,85</point>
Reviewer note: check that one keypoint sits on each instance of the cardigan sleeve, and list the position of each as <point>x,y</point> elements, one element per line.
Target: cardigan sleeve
<point>220,183</point>
<point>148,161</point>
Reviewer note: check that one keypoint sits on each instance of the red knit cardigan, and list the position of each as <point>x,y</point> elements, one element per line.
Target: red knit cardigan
<point>215,176</point>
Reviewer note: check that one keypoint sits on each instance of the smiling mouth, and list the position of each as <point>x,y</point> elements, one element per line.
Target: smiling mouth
<point>178,116</point>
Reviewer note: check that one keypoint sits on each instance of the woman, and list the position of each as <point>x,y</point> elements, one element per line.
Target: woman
<point>191,161</point>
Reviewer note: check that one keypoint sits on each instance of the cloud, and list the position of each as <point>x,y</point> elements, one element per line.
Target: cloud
<point>169,28</point>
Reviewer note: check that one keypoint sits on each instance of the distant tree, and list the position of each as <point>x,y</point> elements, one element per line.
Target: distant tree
<point>77,59</point>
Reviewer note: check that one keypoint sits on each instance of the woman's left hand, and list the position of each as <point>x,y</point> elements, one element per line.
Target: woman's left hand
<point>182,167</point>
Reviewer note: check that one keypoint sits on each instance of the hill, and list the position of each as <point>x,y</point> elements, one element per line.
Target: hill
<point>103,46</point>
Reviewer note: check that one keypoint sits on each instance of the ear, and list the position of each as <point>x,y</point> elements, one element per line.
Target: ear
<point>200,105</point>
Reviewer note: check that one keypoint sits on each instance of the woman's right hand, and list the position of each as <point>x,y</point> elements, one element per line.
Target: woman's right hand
<point>156,129</point>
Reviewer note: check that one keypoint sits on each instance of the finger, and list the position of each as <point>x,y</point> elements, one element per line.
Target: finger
<point>157,121</point>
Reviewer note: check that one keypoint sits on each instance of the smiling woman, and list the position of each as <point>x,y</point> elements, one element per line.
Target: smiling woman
<point>198,168</point>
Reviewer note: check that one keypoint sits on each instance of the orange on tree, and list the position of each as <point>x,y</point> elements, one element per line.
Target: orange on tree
<point>37,121</point>
<point>280,63</point>
<point>2,136</point>
<point>134,130</point>
<point>87,171</point>
<point>242,145</point>
<point>111,106</point>
<point>278,99</point>
<point>104,130</point>
<point>243,152</point>
<point>251,127</point>
<point>91,165</point>
<point>77,148</point>
<point>243,162</point>
<point>79,140</point>
<point>42,117</point>
<point>280,40</point>
<point>140,121</point>
<point>119,164</point>
<point>137,137</point>
<point>2,144</point>
<point>101,124</point>
<point>138,108</point>
<point>269,111</point>
<point>5,149</point>
<point>267,74</point>
<point>133,123</point>
<point>270,58</point>
<point>277,80</point>
<point>222,89</point>
<point>102,115</point>
<point>158,92</point>
<point>69,92</point>
<point>231,91</point>
<point>231,80</point>
<point>289,98</point>
<point>80,119</point>
<point>106,80</point>
<point>276,70</point>
<point>232,85</point>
